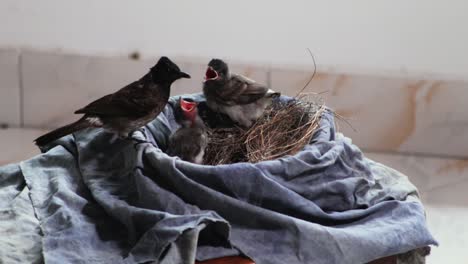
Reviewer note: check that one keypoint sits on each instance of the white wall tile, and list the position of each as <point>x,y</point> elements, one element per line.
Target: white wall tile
<point>256,73</point>
<point>192,85</point>
<point>9,88</point>
<point>55,85</point>
<point>17,144</point>
<point>291,82</point>
<point>440,113</point>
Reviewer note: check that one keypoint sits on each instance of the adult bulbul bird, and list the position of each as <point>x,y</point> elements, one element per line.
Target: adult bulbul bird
<point>237,96</point>
<point>127,109</point>
<point>190,140</point>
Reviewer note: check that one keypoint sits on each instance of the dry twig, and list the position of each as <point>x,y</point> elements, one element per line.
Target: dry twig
<point>284,129</point>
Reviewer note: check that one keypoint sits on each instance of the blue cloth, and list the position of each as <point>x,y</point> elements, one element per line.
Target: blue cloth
<point>101,199</point>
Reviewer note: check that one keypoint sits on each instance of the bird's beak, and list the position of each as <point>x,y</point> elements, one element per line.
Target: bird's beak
<point>184,75</point>
<point>211,74</point>
<point>187,105</point>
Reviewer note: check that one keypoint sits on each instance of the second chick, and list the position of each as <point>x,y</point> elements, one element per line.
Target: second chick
<point>190,140</point>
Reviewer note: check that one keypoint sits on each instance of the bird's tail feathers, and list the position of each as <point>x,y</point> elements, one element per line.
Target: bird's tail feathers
<point>62,131</point>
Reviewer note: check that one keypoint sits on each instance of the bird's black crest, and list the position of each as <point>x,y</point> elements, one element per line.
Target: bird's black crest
<point>166,70</point>
<point>165,63</point>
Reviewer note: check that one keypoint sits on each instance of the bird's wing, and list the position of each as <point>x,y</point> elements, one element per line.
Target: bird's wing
<point>130,101</point>
<point>244,90</point>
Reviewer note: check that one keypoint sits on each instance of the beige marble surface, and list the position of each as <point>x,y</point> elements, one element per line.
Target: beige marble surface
<point>9,88</point>
<point>391,113</point>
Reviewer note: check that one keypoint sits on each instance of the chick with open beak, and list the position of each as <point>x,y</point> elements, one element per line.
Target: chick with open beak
<point>190,140</point>
<point>237,96</point>
<point>211,74</point>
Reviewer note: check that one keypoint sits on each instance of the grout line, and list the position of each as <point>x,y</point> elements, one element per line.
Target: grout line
<point>21,88</point>
<point>268,79</point>
<point>415,154</point>
<point>25,128</point>
<point>29,127</point>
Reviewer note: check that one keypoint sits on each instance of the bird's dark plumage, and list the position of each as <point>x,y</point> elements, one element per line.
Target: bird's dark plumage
<point>127,109</point>
<point>241,98</point>
<point>190,140</point>
<point>62,131</point>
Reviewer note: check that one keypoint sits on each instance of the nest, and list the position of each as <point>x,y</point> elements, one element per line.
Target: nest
<point>284,129</point>
<point>225,146</point>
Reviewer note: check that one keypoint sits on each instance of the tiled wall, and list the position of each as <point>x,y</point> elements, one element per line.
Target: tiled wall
<point>393,113</point>
<point>42,90</point>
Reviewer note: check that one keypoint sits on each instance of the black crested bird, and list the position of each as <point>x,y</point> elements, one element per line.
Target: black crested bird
<point>190,140</point>
<point>127,109</point>
<point>237,96</point>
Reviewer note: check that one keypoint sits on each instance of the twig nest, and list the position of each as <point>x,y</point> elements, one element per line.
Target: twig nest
<point>284,129</point>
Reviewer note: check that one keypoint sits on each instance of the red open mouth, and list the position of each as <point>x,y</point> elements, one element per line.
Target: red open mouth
<point>187,105</point>
<point>211,74</point>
